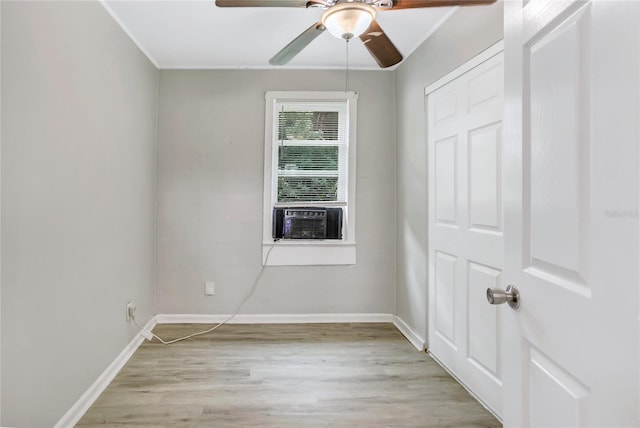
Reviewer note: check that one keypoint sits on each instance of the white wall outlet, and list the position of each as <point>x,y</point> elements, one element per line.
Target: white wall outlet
<point>209,288</point>
<point>131,310</point>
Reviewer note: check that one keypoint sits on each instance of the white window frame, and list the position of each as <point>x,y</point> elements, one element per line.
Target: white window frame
<point>309,252</point>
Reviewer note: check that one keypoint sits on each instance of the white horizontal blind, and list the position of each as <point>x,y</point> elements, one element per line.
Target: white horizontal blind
<point>310,152</point>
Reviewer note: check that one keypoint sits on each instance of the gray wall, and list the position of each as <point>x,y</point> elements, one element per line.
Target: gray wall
<point>468,32</point>
<point>210,181</point>
<point>79,121</point>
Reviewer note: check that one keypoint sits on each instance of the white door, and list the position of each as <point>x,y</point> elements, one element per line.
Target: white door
<point>465,223</point>
<point>571,212</point>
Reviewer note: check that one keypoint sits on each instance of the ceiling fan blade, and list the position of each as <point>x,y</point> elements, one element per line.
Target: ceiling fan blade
<point>411,4</point>
<point>262,3</point>
<point>297,44</point>
<point>380,47</point>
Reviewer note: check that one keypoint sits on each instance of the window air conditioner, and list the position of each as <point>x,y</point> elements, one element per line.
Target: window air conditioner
<point>307,223</point>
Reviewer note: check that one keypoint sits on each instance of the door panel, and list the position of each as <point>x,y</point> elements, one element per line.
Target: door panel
<point>465,226</point>
<point>486,88</point>
<point>557,185</point>
<point>484,326</point>
<point>445,277</point>
<point>556,398</point>
<point>485,187</point>
<point>570,352</point>
<point>446,197</point>
<point>445,107</point>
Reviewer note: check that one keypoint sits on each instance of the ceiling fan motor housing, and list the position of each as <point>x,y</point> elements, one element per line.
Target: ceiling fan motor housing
<point>349,19</point>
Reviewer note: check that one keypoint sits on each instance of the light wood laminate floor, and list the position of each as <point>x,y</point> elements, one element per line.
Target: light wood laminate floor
<point>285,375</point>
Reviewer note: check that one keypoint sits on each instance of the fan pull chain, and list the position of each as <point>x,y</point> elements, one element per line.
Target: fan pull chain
<point>346,83</point>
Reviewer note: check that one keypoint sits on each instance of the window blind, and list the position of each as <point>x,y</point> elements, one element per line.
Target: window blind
<point>310,150</point>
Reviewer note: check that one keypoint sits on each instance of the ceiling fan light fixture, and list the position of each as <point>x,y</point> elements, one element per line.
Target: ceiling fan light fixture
<point>348,20</point>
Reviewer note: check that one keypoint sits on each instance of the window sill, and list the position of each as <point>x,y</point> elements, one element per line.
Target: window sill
<point>308,253</point>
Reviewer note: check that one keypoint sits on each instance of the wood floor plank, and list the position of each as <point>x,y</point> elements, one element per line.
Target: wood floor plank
<point>284,375</point>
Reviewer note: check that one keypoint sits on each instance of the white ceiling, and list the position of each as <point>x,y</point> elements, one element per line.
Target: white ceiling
<point>197,34</point>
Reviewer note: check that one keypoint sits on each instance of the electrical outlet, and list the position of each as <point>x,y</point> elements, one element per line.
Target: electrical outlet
<point>209,288</point>
<point>131,310</point>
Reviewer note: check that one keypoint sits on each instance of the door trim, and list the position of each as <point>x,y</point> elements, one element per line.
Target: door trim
<point>483,56</point>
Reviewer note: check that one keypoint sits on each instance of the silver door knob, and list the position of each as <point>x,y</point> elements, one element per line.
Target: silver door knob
<point>497,296</point>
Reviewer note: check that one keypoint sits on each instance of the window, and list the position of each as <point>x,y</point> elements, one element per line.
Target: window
<point>310,146</point>
<point>310,161</point>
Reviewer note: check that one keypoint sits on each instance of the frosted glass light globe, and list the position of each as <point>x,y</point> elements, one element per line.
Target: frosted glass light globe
<point>348,20</point>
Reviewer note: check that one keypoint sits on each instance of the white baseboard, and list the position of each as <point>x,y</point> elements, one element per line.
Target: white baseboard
<point>408,332</point>
<point>272,318</point>
<point>81,406</point>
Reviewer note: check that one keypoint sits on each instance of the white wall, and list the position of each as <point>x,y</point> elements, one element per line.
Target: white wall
<point>468,32</point>
<point>79,121</point>
<point>210,167</point>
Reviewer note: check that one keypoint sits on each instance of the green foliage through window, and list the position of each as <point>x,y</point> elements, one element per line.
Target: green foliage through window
<point>305,158</point>
<point>307,189</point>
<point>308,125</point>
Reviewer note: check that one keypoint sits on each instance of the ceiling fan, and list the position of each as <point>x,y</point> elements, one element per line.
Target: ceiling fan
<point>347,19</point>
